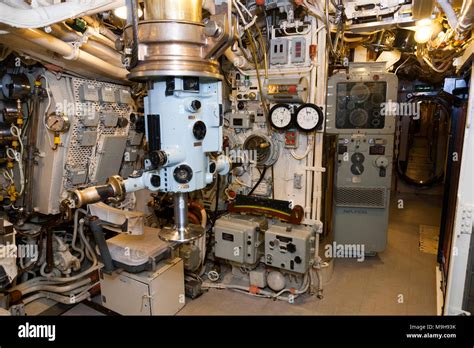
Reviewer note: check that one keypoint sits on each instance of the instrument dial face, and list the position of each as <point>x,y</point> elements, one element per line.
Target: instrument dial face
<point>357,169</point>
<point>57,123</point>
<point>281,116</point>
<point>309,117</point>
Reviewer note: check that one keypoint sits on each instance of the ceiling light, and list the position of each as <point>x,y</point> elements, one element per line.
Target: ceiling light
<point>121,12</point>
<point>423,31</point>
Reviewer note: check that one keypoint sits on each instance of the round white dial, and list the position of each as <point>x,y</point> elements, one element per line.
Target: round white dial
<point>280,116</point>
<point>309,117</point>
<point>57,123</point>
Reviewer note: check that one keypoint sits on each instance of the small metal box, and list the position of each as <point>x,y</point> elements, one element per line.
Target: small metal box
<point>88,138</point>
<point>147,293</point>
<point>89,92</point>
<point>107,95</point>
<point>238,238</point>
<point>124,96</point>
<point>289,247</point>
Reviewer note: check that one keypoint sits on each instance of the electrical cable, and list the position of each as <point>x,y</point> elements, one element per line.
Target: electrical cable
<point>262,175</point>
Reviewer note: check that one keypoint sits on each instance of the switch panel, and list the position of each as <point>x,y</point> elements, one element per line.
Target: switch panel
<point>291,139</point>
<point>298,50</point>
<point>279,51</point>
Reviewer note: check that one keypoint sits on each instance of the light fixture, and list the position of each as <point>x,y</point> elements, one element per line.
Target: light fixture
<point>121,12</point>
<point>423,31</point>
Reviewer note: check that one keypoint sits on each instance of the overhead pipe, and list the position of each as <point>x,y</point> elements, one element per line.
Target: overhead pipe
<point>90,45</point>
<point>46,15</point>
<point>68,52</point>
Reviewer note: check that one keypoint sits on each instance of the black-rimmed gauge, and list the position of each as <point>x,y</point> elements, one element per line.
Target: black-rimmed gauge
<point>309,117</point>
<point>358,157</point>
<point>281,116</point>
<point>357,169</point>
<point>57,123</point>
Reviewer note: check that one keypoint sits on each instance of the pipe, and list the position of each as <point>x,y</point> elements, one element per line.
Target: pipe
<point>209,6</point>
<point>46,15</point>
<point>237,59</point>
<point>54,288</point>
<point>181,211</point>
<point>465,17</point>
<point>106,32</point>
<point>96,227</point>
<point>92,44</point>
<point>70,53</point>
<point>449,12</point>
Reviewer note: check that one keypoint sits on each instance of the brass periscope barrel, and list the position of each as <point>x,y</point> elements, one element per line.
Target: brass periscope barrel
<point>175,40</point>
<point>175,10</point>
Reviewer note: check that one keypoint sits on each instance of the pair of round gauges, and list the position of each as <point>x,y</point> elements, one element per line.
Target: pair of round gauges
<point>307,117</point>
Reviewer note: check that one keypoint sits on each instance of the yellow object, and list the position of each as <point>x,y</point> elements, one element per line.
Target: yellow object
<point>57,140</point>
<point>10,164</point>
<point>14,143</point>
<point>12,192</point>
<point>19,121</point>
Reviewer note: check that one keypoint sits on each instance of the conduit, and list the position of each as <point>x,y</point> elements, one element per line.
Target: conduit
<point>69,52</point>
<point>46,15</point>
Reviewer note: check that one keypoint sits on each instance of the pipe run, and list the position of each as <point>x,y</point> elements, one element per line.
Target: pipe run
<point>69,52</point>
<point>44,16</point>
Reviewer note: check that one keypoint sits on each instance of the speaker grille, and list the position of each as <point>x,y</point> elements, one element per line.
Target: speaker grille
<point>361,197</point>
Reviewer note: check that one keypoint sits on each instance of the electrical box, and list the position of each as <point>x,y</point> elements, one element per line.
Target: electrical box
<point>289,247</point>
<point>238,238</point>
<point>88,138</point>
<point>110,156</point>
<point>90,119</point>
<point>124,96</point>
<point>107,95</point>
<point>110,118</point>
<point>78,176</point>
<point>89,92</point>
<point>148,293</point>
<point>279,51</point>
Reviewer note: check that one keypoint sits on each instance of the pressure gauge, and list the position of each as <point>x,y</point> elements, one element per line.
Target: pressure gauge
<point>309,117</point>
<point>281,116</point>
<point>57,123</point>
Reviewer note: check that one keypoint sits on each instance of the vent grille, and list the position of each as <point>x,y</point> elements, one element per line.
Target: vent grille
<point>361,197</point>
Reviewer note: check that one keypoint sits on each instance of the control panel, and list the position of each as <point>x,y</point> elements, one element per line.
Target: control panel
<point>289,247</point>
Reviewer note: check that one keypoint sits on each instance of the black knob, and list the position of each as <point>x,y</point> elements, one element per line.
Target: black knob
<point>298,260</point>
<point>196,105</point>
<point>122,122</point>
<point>155,180</point>
<point>291,248</point>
